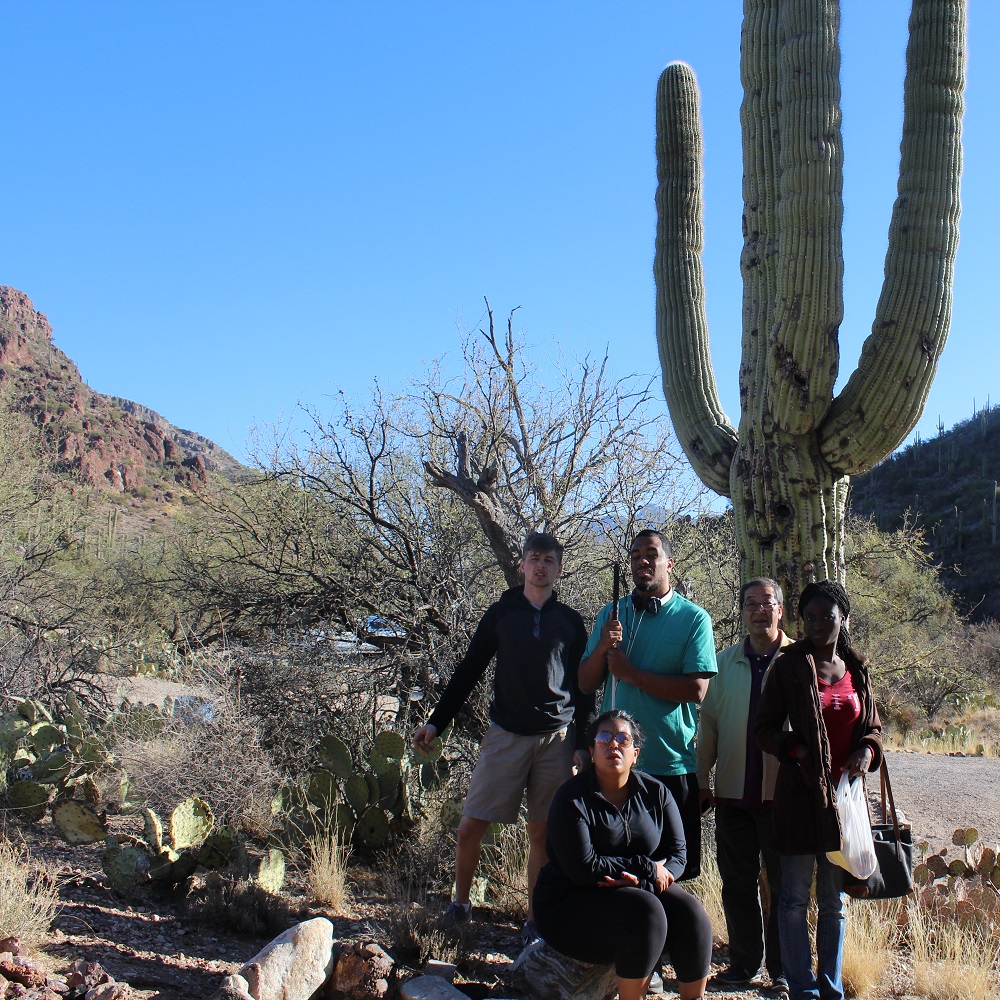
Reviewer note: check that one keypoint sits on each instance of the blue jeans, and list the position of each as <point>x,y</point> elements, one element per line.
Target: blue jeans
<point>793,925</point>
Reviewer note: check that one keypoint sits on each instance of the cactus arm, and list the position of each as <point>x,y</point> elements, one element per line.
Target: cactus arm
<point>704,431</point>
<point>761,144</point>
<point>803,352</point>
<point>885,396</point>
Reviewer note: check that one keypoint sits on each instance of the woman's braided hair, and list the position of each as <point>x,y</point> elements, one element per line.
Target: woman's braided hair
<point>830,590</point>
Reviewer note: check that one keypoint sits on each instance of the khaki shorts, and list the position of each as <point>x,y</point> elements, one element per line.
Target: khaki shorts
<point>508,764</point>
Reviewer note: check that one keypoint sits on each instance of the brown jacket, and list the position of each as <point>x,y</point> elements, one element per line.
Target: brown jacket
<point>804,815</point>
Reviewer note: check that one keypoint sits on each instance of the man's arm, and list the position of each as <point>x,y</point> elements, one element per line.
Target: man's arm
<point>594,665</point>
<point>481,650</point>
<point>667,687</point>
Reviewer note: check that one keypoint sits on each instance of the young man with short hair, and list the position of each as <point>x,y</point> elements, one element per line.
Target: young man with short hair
<point>539,717</point>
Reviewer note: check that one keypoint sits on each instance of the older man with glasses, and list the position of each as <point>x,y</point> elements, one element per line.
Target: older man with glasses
<point>743,787</point>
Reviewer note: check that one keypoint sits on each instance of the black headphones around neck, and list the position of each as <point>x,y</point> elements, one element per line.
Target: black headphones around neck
<point>649,605</point>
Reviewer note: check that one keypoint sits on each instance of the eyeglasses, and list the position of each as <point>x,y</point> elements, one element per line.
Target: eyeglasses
<point>602,739</point>
<point>763,605</point>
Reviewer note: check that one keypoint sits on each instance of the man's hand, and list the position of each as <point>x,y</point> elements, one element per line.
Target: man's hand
<point>859,762</point>
<point>620,665</point>
<point>663,877</point>
<point>611,635</point>
<point>624,880</point>
<point>706,799</point>
<point>423,736</point>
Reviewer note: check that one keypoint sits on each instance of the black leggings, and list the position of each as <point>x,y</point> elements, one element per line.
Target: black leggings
<point>630,927</point>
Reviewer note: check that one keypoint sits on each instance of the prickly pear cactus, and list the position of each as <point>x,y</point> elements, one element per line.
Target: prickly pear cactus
<point>27,800</point>
<point>335,756</point>
<point>389,744</point>
<point>451,813</point>
<point>220,849</point>
<point>126,868</point>
<point>358,792</point>
<point>78,823</point>
<point>432,753</point>
<point>190,823</point>
<point>271,871</point>
<point>373,828</point>
<point>322,791</point>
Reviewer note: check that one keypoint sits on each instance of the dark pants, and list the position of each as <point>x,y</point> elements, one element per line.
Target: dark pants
<point>684,789</point>
<point>630,927</point>
<point>742,836</point>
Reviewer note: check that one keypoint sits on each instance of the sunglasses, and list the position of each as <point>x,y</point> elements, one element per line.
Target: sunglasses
<point>620,739</point>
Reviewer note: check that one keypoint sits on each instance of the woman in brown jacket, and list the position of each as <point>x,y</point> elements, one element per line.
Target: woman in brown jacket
<point>817,715</point>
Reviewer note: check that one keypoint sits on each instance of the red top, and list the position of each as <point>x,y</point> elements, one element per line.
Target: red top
<point>841,710</point>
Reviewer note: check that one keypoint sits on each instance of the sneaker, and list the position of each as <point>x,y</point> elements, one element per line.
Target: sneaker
<point>655,987</point>
<point>456,915</point>
<point>734,976</point>
<point>778,988</point>
<point>529,934</point>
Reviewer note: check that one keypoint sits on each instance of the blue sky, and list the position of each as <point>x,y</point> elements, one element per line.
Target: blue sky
<point>227,208</point>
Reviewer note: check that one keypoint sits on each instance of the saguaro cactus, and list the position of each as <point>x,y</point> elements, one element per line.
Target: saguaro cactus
<point>787,467</point>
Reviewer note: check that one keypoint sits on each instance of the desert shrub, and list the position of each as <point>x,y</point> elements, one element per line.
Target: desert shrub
<point>502,876</point>
<point>29,899</point>
<point>228,902</point>
<point>219,754</point>
<point>708,885</point>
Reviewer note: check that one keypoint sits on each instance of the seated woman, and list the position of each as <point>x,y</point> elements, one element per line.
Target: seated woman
<point>615,847</point>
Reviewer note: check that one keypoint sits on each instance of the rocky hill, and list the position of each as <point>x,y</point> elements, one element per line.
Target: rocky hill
<point>948,486</point>
<point>113,444</point>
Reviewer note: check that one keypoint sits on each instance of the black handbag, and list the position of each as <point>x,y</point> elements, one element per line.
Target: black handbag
<point>893,850</point>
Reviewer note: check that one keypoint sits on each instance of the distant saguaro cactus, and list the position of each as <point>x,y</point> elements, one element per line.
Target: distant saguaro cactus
<point>787,466</point>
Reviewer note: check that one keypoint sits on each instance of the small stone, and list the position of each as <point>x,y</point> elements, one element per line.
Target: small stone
<point>429,988</point>
<point>432,967</point>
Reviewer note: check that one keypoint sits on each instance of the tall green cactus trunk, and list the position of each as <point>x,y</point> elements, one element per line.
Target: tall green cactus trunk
<point>787,467</point>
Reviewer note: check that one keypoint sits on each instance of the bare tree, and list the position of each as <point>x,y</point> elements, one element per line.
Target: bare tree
<point>585,459</point>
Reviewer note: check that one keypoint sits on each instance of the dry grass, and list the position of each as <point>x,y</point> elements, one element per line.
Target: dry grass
<point>327,872</point>
<point>871,938</point>
<point>29,900</point>
<point>503,869</point>
<point>708,885</point>
<point>952,961</point>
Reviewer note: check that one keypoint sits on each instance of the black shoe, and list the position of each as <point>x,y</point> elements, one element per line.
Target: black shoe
<point>734,976</point>
<point>778,988</point>
<point>456,915</point>
<point>529,934</point>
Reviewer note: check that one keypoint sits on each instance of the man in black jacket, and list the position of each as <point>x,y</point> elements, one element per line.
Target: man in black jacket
<point>531,743</point>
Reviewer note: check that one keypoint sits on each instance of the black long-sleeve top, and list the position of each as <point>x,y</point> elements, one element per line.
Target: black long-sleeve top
<point>535,687</point>
<point>589,837</point>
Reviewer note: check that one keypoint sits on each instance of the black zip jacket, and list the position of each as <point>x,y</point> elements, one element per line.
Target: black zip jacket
<point>535,687</point>
<point>589,838</point>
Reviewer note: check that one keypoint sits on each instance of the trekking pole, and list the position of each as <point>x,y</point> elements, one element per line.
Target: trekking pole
<point>614,617</point>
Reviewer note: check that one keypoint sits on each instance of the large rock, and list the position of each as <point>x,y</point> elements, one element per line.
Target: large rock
<point>232,988</point>
<point>362,971</point>
<point>294,965</point>
<point>541,973</point>
<point>430,988</point>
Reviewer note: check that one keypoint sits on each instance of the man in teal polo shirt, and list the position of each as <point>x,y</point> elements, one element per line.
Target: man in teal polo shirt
<point>657,659</point>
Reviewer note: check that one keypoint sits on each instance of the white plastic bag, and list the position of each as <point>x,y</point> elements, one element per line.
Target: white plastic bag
<point>857,849</point>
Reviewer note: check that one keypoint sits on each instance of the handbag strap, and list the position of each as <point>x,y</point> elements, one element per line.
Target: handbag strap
<point>886,790</point>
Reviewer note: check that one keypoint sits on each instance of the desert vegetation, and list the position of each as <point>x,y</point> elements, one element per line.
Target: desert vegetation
<point>315,605</point>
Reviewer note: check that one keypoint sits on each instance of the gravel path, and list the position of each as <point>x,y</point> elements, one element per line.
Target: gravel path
<point>940,793</point>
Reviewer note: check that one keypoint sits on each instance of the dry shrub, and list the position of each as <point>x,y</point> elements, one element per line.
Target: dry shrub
<point>220,758</point>
<point>952,960</point>
<point>240,905</point>
<point>871,939</point>
<point>29,899</point>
